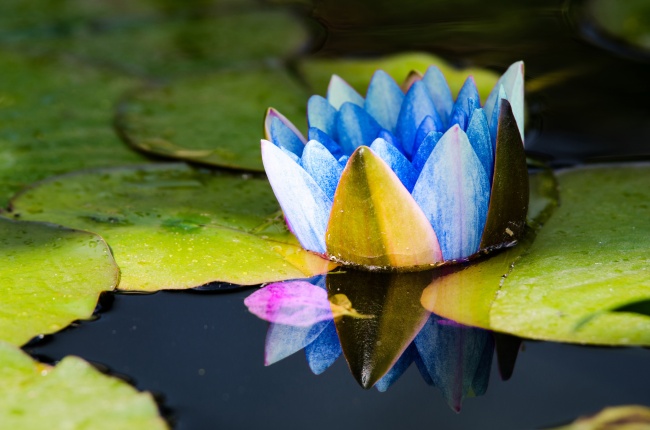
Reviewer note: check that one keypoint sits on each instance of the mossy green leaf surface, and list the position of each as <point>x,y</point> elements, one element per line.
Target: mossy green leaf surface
<point>357,72</point>
<point>72,395</point>
<point>50,276</point>
<point>54,118</point>
<point>628,417</point>
<point>215,120</point>
<point>173,227</point>
<point>591,256</point>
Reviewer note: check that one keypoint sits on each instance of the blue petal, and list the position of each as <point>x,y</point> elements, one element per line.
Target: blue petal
<point>397,370</point>
<point>325,140</point>
<point>512,82</point>
<point>384,100</point>
<point>453,191</point>
<point>324,351</point>
<point>467,100</point>
<point>306,207</point>
<point>322,166</point>
<point>284,340</point>
<point>427,126</point>
<point>355,127</point>
<point>440,93</point>
<point>478,134</point>
<point>282,132</point>
<point>494,116</point>
<point>416,106</point>
<point>424,151</point>
<point>340,92</point>
<point>482,376</point>
<point>344,160</point>
<point>322,115</point>
<point>396,161</point>
<point>392,139</point>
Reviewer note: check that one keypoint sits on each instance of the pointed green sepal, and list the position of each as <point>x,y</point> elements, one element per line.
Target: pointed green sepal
<point>506,218</point>
<point>375,221</point>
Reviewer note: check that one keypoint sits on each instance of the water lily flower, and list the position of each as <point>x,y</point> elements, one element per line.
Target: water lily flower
<point>403,178</point>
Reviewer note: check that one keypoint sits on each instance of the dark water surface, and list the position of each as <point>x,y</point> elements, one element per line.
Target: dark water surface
<point>202,351</point>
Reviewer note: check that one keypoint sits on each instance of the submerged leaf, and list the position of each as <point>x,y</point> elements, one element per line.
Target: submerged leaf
<point>72,395</point>
<point>49,277</point>
<point>173,227</point>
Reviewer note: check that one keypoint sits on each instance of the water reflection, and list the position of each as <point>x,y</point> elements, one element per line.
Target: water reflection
<point>376,321</point>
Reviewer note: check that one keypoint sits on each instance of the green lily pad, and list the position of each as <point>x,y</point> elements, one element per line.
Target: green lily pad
<point>628,21</point>
<point>55,118</point>
<point>173,227</point>
<point>72,395</point>
<point>628,417</point>
<point>216,120</point>
<point>50,276</point>
<point>590,257</point>
<point>358,72</point>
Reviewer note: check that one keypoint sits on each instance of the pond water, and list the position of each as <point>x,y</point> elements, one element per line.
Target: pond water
<point>203,353</point>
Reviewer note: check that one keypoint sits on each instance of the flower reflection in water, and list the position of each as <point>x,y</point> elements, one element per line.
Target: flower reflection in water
<point>381,331</point>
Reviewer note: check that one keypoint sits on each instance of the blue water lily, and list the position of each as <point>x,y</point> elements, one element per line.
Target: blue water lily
<point>407,177</point>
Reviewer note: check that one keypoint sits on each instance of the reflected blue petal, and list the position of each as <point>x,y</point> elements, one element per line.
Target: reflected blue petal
<point>384,100</point>
<point>305,205</point>
<point>482,375</point>
<point>467,101</point>
<point>284,340</point>
<point>396,161</point>
<point>325,140</point>
<point>340,92</point>
<point>427,126</point>
<point>324,351</point>
<point>417,105</point>
<point>440,93</point>
<point>424,151</point>
<point>322,115</point>
<point>453,191</point>
<point>478,134</point>
<point>355,127</point>
<point>322,166</point>
<point>397,370</point>
<point>284,137</point>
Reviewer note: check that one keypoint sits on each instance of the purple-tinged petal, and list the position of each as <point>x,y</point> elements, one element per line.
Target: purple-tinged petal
<point>384,100</point>
<point>453,191</point>
<point>417,105</point>
<point>284,340</point>
<point>340,92</point>
<point>282,132</point>
<point>396,161</point>
<point>324,351</point>
<point>478,134</point>
<point>355,127</point>
<point>397,370</point>
<point>295,303</point>
<point>512,82</point>
<point>467,101</point>
<point>344,160</point>
<point>391,138</point>
<point>322,166</point>
<point>493,119</point>
<point>305,205</point>
<point>440,93</point>
<point>322,115</point>
<point>424,151</point>
<point>325,140</point>
<point>427,126</point>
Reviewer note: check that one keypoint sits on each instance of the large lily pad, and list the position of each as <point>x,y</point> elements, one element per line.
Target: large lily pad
<point>72,395</point>
<point>590,257</point>
<point>50,276</point>
<point>357,72</point>
<point>214,120</point>
<point>54,118</point>
<point>173,227</point>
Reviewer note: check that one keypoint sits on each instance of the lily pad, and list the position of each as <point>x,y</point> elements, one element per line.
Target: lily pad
<point>174,227</point>
<point>591,256</point>
<point>358,72</point>
<point>214,120</point>
<point>72,395</point>
<point>50,276</point>
<point>55,118</point>
<point>629,417</point>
